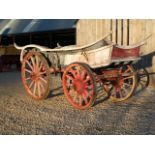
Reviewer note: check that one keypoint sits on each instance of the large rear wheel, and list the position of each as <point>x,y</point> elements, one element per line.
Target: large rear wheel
<point>79,85</point>
<point>124,85</point>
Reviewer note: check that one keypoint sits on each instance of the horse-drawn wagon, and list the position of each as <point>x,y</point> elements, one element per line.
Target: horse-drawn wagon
<point>81,69</point>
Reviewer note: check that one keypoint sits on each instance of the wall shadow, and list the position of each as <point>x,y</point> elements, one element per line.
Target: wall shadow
<point>146,61</point>
<point>144,71</point>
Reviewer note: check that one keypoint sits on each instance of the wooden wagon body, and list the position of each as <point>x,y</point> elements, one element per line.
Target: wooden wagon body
<point>82,69</point>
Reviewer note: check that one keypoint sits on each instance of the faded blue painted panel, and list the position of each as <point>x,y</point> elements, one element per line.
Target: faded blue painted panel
<point>17,26</point>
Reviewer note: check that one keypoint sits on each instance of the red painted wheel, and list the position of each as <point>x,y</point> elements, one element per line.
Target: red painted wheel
<point>124,85</point>
<point>79,85</point>
<point>35,75</point>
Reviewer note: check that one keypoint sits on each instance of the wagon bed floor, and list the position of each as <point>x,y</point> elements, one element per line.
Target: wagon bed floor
<point>19,114</point>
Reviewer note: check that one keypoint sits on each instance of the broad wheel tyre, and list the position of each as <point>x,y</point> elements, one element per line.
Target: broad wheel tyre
<point>125,84</point>
<point>79,85</point>
<point>36,75</point>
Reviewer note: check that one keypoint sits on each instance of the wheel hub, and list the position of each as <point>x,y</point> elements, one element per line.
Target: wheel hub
<point>118,83</point>
<point>34,76</point>
<point>79,86</point>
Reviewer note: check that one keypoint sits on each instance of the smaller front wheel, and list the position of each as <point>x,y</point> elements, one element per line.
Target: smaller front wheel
<point>79,85</point>
<point>36,75</point>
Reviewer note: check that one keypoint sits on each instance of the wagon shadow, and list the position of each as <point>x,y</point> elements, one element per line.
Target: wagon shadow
<point>143,80</point>
<point>100,100</point>
<point>143,72</point>
<point>56,92</point>
<point>101,96</point>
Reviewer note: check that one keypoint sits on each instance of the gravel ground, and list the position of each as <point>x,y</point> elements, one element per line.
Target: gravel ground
<point>19,114</point>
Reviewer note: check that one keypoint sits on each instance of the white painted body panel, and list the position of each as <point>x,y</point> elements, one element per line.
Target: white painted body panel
<point>95,58</point>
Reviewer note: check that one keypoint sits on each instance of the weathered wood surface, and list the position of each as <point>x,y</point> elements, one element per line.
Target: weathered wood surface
<point>124,32</point>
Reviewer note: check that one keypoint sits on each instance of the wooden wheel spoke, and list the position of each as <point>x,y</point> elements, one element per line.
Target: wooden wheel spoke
<point>41,73</point>
<point>70,85</point>
<point>83,74</point>
<point>127,85</point>
<point>34,89</point>
<point>124,89</point>
<point>128,77</point>
<point>42,86</point>
<point>69,76</point>
<point>87,86</point>
<point>29,65</point>
<point>71,90</point>
<point>40,66</point>
<point>88,94</point>
<point>33,62</point>
<point>31,84</point>
<point>73,72</point>
<point>80,100</point>
<point>29,71</point>
<point>87,79</point>
<point>90,86</point>
<point>85,98</point>
<point>27,78</point>
<point>43,79</point>
<point>38,87</point>
<point>115,92</point>
<point>78,70</point>
<point>37,61</point>
<point>128,70</point>
<point>120,93</point>
<point>75,96</point>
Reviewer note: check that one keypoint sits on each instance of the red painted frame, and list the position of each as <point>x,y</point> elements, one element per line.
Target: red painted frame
<point>120,53</point>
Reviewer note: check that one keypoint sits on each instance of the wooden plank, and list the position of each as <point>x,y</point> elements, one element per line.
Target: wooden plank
<point>143,34</point>
<point>152,39</point>
<point>131,31</point>
<point>85,30</point>
<point>119,31</point>
<point>88,32</point>
<point>79,32</point>
<point>114,30</point>
<point>107,27</point>
<point>99,28</point>
<point>92,31</point>
<point>94,28</point>
<point>125,32</point>
<point>150,42</point>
